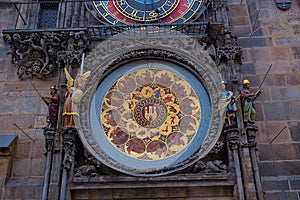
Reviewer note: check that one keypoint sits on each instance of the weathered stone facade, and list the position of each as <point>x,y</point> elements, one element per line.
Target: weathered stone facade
<point>269,36</point>
<point>265,35</point>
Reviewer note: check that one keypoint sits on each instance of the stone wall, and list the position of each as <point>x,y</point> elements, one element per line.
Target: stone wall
<point>271,36</point>
<point>21,107</point>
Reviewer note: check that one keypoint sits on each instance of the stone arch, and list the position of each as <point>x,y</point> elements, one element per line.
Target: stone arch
<point>180,49</point>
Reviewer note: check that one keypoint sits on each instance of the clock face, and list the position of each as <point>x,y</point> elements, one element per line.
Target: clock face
<point>150,114</point>
<point>147,11</point>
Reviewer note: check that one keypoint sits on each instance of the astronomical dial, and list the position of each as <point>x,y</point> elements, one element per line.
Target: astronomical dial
<point>147,11</point>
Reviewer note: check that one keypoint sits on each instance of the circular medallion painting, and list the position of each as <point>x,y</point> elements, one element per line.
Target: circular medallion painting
<point>148,115</point>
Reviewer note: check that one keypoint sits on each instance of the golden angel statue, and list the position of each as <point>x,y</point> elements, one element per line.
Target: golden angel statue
<point>73,97</point>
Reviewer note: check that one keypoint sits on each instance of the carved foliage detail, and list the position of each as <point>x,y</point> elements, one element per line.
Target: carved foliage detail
<point>230,50</point>
<point>40,54</point>
<point>215,166</point>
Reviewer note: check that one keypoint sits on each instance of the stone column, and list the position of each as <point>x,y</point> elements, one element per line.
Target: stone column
<point>234,143</point>
<point>68,161</point>
<point>49,144</point>
<point>247,168</point>
<point>251,134</point>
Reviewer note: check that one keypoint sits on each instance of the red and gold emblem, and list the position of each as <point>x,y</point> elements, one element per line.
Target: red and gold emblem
<point>150,112</point>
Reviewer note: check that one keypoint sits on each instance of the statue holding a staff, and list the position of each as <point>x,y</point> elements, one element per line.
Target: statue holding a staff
<point>52,102</point>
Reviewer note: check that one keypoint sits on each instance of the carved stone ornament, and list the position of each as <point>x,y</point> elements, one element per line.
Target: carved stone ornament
<point>40,54</point>
<point>108,140</point>
<point>217,148</point>
<point>214,166</point>
<point>230,50</point>
<point>85,171</point>
<point>233,138</point>
<point>49,139</point>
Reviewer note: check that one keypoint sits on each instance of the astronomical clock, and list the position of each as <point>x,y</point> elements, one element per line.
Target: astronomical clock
<point>122,12</point>
<point>152,106</point>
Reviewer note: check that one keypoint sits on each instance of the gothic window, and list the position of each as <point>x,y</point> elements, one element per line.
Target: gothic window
<point>48,15</point>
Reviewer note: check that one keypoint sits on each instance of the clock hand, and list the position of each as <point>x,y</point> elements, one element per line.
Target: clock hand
<point>152,3</point>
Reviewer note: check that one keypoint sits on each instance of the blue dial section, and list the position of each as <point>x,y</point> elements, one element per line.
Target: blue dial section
<point>124,156</point>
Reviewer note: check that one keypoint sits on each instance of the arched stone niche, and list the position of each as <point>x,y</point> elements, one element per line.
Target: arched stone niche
<point>177,53</point>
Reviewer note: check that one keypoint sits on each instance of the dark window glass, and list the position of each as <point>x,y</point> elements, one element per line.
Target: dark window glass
<point>48,15</point>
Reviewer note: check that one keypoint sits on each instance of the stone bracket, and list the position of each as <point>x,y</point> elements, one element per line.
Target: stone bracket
<point>41,53</point>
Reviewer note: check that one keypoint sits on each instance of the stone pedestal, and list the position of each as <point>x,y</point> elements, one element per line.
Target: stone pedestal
<point>234,144</point>
<point>251,135</point>
<point>49,144</point>
<point>68,161</point>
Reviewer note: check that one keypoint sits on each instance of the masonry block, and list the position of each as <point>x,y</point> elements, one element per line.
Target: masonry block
<point>287,41</point>
<point>4,163</point>
<point>288,151</point>
<point>10,105</point>
<point>252,42</point>
<point>259,112</point>
<point>21,168</point>
<point>237,10</point>
<point>281,53</point>
<point>265,94</point>
<point>23,150</point>
<point>275,185</point>
<point>248,69</point>
<point>31,105</point>
<point>239,21</point>
<point>5,64</point>
<point>38,167</point>
<point>17,86</point>
<point>287,93</point>
<point>295,65</point>
<point>38,149</point>
<point>280,168</point>
<point>294,128</point>
<point>279,31</point>
<point>261,54</point>
<point>268,131</point>
<point>293,79</point>
<point>279,67</point>
<point>296,29</point>
<point>295,184</point>
<point>281,195</point>
<point>22,121</point>
<point>242,31</point>
<point>296,52</point>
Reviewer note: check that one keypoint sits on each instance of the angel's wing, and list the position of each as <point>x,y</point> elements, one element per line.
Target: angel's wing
<point>81,78</point>
<point>70,80</point>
